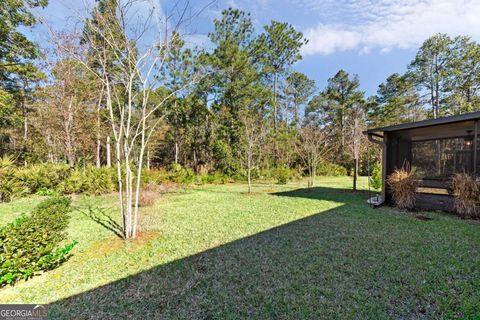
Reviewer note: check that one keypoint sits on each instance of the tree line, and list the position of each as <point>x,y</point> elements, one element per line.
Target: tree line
<point>97,96</point>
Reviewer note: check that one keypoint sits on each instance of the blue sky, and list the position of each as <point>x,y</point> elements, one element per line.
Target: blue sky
<point>372,38</point>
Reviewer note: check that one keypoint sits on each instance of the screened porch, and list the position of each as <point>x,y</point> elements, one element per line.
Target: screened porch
<point>436,149</point>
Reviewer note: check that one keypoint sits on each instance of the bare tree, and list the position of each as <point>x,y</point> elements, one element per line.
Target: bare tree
<point>355,125</point>
<point>253,134</point>
<point>129,50</point>
<point>312,147</point>
<point>61,112</point>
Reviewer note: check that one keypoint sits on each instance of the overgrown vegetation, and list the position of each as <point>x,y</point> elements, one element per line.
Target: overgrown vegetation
<point>466,190</point>
<point>51,179</point>
<point>55,179</point>
<point>403,183</point>
<point>34,243</point>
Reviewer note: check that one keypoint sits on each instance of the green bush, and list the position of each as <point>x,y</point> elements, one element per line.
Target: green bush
<point>239,176</point>
<point>32,243</point>
<point>47,192</point>
<point>331,169</point>
<point>157,176</point>
<point>47,176</point>
<point>180,174</point>
<point>99,180</point>
<point>212,178</point>
<point>225,158</point>
<point>376,178</point>
<point>10,186</point>
<point>91,180</point>
<point>283,174</point>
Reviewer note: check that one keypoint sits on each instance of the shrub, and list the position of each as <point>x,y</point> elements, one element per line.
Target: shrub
<point>331,169</point>
<point>47,192</point>
<point>376,179</point>
<point>73,184</point>
<point>212,178</point>
<point>283,174</point>
<point>466,190</point>
<point>47,176</point>
<point>91,180</point>
<point>157,176</point>
<point>32,243</point>
<point>10,186</point>
<point>99,180</point>
<point>224,157</point>
<point>239,176</point>
<point>181,175</point>
<point>149,194</point>
<point>403,183</point>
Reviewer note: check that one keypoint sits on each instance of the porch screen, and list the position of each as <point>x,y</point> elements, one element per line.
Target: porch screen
<point>440,159</point>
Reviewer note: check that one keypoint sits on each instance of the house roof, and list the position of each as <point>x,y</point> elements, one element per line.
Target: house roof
<point>426,123</point>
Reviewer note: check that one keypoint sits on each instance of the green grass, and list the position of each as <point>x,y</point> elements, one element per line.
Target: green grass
<point>282,252</point>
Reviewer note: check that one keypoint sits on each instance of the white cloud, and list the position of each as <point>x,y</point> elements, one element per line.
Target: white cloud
<point>387,24</point>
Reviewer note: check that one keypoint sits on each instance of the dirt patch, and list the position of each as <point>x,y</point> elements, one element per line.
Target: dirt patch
<point>104,247</point>
<point>143,237</point>
<point>110,245</point>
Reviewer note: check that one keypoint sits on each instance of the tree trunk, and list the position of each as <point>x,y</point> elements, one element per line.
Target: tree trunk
<point>355,173</point>
<point>176,131</point>
<point>310,177</point>
<point>314,174</point>
<point>274,102</point>
<point>148,159</point>
<point>69,138</point>
<point>98,163</point>
<point>120,183</point>
<point>25,133</point>
<point>109,153</point>
<point>297,116</point>
<point>99,145</point>
<point>249,169</point>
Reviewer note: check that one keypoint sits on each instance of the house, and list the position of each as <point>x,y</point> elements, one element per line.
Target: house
<point>436,149</point>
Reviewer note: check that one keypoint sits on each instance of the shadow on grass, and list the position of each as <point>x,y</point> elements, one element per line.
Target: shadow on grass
<point>323,193</point>
<point>342,263</point>
<point>103,217</point>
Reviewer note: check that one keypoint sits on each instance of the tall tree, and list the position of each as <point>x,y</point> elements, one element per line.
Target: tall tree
<point>397,101</point>
<point>18,72</point>
<point>104,19</point>
<point>341,94</point>
<point>16,50</point>
<point>430,71</point>
<point>465,81</point>
<point>66,104</point>
<point>278,48</point>
<point>179,71</point>
<point>299,89</point>
<point>233,77</point>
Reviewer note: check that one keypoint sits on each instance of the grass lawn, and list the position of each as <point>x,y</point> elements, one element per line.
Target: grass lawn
<point>282,252</point>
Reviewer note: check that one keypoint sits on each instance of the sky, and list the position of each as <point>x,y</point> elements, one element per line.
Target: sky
<point>371,38</point>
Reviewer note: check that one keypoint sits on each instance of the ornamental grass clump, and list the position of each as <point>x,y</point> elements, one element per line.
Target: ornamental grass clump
<point>403,183</point>
<point>149,194</point>
<point>466,190</point>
